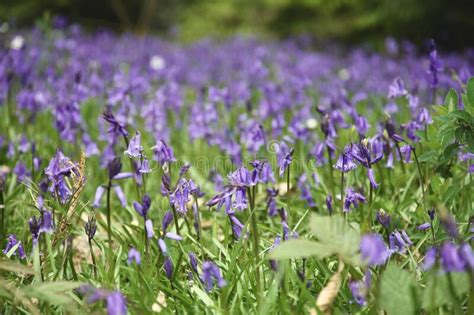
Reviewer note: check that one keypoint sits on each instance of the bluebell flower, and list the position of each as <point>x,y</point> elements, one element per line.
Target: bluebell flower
<point>133,256</point>
<point>135,148</point>
<point>399,241</point>
<point>211,275</point>
<point>116,304</point>
<point>168,266</point>
<point>345,162</point>
<point>163,153</point>
<point>143,207</point>
<point>397,89</point>
<point>12,241</point>
<point>353,198</point>
<point>373,250</point>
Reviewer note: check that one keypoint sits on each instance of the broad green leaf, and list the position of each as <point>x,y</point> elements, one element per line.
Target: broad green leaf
<point>451,100</point>
<point>470,93</point>
<point>299,248</point>
<point>337,236</point>
<point>397,290</point>
<point>437,291</point>
<point>462,115</point>
<point>428,156</point>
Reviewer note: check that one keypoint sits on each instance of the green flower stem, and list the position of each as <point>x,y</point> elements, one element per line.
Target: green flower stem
<point>109,228</point>
<point>253,222</point>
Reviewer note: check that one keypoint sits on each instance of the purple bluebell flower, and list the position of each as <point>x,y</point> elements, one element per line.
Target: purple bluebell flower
<point>345,162</point>
<point>162,246</point>
<point>391,131</point>
<point>114,167</point>
<point>193,262</point>
<point>424,226</point>
<point>353,198</point>
<point>450,258</point>
<point>116,304</point>
<point>144,166</point>
<point>241,177</point>
<point>211,275</point>
<point>431,214</point>
<point>133,256</point>
<point>34,225</point>
<point>373,249</point>
<point>272,193</point>
<point>285,160</point>
<point>116,128</point>
<point>424,117</point>
<point>467,255</point>
<point>237,226</point>
<point>399,241</point>
<point>397,89</point>
<point>181,196</point>
<point>360,289</point>
<point>406,152</point>
<point>168,266</point>
<point>149,229</point>
<point>12,241</point>
<point>362,153</point>
<point>329,203</point>
<point>383,218</point>
<point>46,222</point>
<point>430,258</point>
<point>162,153</point>
<point>21,171</point>
<point>99,193</point>
<point>262,172</point>
<point>143,207</point>
<point>58,169</point>
<point>284,223</point>
<point>173,236</point>
<point>135,148</point>
<point>435,65</point>
<point>120,195</point>
<point>167,219</point>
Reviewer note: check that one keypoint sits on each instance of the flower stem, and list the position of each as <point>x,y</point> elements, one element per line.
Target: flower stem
<point>342,192</point>
<point>2,208</point>
<point>421,177</point>
<point>175,214</point>
<point>253,222</point>
<point>109,229</point>
<point>94,264</point>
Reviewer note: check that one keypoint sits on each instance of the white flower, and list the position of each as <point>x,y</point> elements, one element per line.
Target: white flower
<point>157,63</point>
<point>17,42</point>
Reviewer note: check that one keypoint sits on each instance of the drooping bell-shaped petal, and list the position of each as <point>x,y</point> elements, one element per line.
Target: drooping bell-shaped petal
<point>133,256</point>
<point>135,148</point>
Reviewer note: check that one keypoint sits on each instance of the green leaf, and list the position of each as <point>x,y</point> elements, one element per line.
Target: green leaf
<point>437,291</point>
<point>54,292</point>
<point>428,156</point>
<point>451,150</point>
<point>299,248</point>
<point>15,267</point>
<point>451,193</point>
<point>470,91</point>
<point>339,238</point>
<point>451,100</point>
<point>397,290</point>
<point>462,115</point>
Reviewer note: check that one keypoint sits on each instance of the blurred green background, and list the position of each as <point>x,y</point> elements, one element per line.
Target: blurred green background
<point>451,23</point>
